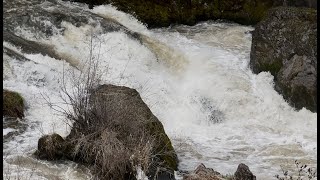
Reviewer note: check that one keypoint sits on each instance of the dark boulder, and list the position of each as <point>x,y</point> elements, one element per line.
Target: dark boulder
<point>13,105</point>
<point>285,44</point>
<point>50,147</point>
<point>114,134</point>
<point>243,173</point>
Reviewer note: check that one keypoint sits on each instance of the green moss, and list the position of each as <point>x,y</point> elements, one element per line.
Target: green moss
<point>254,12</point>
<point>273,68</point>
<point>13,105</point>
<point>164,147</point>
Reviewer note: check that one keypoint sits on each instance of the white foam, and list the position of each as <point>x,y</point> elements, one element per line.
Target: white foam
<point>257,124</point>
<point>109,11</point>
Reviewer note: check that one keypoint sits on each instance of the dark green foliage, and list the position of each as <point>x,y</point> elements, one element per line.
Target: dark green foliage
<point>13,105</point>
<point>159,13</point>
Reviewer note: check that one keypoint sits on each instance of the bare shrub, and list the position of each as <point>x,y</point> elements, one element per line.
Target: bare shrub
<point>113,149</point>
<point>302,172</point>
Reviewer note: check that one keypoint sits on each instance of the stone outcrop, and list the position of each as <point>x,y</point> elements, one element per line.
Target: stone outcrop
<point>117,133</point>
<point>285,44</point>
<point>13,105</point>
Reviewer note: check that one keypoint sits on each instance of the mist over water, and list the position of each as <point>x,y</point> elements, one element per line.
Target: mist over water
<point>195,79</point>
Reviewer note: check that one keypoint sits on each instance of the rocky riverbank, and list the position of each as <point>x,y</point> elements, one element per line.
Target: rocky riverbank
<point>285,44</point>
<point>157,13</point>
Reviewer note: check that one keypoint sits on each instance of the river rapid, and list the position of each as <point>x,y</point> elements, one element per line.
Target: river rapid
<point>195,79</point>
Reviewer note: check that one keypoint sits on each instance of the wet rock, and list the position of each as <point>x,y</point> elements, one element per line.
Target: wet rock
<point>243,173</point>
<point>126,109</point>
<point>285,44</point>
<point>50,147</point>
<point>13,105</point>
<point>119,132</point>
<point>13,54</point>
<point>203,173</point>
<point>47,18</point>
<point>30,47</point>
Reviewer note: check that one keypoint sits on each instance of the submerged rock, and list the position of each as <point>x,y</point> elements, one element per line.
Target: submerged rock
<point>203,173</point>
<point>27,46</point>
<point>285,44</point>
<point>28,24</point>
<point>119,133</point>
<point>13,105</point>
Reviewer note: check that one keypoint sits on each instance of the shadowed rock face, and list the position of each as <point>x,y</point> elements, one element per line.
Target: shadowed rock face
<point>297,3</point>
<point>159,13</point>
<point>285,44</point>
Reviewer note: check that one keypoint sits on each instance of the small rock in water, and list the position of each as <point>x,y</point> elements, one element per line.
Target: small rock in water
<point>203,173</point>
<point>50,147</point>
<point>243,173</point>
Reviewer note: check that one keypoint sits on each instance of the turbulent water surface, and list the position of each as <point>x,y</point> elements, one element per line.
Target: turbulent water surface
<point>195,79</point>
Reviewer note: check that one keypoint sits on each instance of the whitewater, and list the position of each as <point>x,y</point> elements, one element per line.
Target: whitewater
<point>195,79</point>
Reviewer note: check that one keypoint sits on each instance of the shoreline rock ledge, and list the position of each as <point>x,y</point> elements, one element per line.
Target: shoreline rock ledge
<point>285,44</point>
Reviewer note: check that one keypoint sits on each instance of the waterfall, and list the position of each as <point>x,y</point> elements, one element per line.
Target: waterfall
<point>195,79</point>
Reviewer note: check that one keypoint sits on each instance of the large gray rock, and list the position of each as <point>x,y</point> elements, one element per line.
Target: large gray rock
<point>113,134</point>
<point>285,44</point>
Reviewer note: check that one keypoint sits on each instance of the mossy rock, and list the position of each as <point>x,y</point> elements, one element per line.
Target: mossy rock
<point>165,154</point>
<point>13,104</point>
<point>285,44</point>
<point>50,147</point>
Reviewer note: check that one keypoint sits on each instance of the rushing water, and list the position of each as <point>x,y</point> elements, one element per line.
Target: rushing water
<point>195,79</point>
